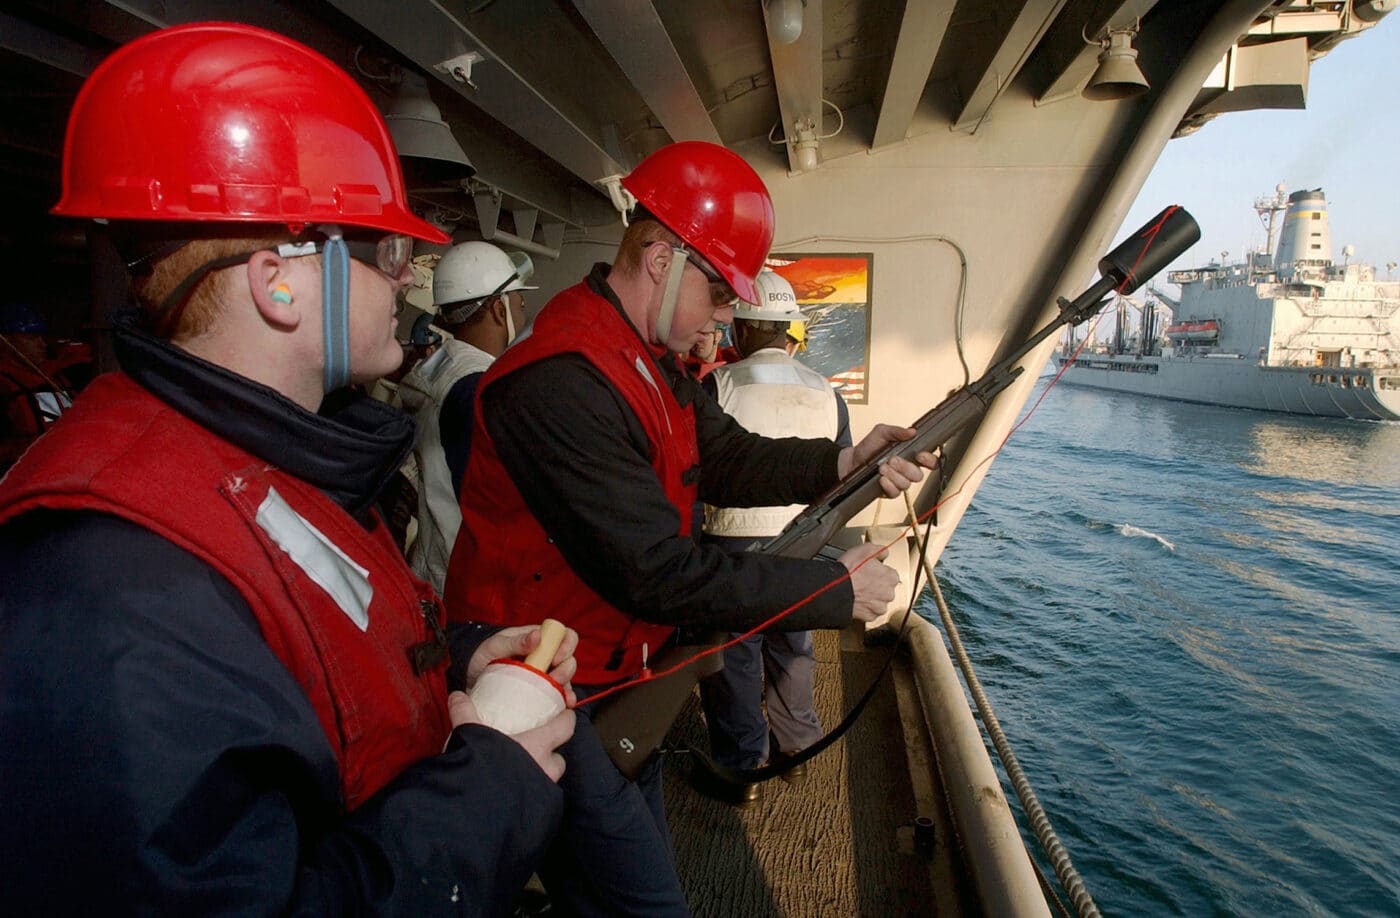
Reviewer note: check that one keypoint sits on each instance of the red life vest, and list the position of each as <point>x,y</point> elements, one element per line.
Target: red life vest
<point>505,569</point>
<point>121,450</point>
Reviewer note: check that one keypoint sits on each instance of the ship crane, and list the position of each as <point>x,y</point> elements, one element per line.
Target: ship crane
<point>1163,312</point>
<point>1171,305</point>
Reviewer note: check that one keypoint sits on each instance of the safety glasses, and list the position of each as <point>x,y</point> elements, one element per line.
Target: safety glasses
<point>721,294</point>
<point>389,254</point>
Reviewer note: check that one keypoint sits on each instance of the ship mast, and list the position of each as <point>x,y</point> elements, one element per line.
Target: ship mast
<point>1268,210</point>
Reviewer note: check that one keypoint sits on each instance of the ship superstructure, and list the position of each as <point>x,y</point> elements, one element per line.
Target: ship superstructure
<point>1289,330</point>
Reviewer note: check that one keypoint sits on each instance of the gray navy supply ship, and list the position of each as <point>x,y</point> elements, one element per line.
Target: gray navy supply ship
<point>1288,331</point>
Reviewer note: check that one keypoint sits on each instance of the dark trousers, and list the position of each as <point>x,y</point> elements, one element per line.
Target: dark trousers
<point>613,855</point>
<point>734,699</point>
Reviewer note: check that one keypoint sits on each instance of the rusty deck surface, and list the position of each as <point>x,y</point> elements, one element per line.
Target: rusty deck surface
<point>839,844</point>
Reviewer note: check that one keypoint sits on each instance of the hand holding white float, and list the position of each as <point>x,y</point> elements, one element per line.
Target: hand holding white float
<point>514,696</point>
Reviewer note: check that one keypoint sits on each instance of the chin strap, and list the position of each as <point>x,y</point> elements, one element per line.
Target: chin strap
<point>335,309</point>
<point>672,293</point>
<point>510,323</point>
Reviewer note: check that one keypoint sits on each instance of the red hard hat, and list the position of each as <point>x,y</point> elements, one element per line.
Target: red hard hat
<point>715,202</point>
<point>219,122</point>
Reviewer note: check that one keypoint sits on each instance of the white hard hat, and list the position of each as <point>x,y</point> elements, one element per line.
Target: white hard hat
<point>777,302</point>
<point>474,270</point>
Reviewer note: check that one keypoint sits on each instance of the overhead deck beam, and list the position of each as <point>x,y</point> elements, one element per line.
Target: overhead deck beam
<point>501,169</point>
<point>1072,69</point>
<point>46,47</point>
<point>1017,43</point>
<point>634,35</point>
<point>920,36</point>
<point>797,75</point>
<point>529,183</point>
<point>427,34</point>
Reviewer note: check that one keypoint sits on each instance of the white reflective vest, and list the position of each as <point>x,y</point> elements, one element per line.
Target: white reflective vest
<point>771,394</point>
<point>423,390</point>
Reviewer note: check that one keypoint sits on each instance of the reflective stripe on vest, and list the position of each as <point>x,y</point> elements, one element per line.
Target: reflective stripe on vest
<point>335,601</point>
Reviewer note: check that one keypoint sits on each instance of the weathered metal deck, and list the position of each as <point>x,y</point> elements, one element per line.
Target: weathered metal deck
<point>842,843</point>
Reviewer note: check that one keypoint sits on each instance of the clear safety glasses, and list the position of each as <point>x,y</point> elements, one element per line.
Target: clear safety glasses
<point>389,254</point>
<point>721,294</point>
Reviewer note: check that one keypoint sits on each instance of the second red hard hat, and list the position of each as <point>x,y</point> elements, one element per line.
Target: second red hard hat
<point>715,202</point>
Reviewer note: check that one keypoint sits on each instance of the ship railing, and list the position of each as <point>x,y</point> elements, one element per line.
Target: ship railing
<point>993,854</point>
<point>1001,868</point>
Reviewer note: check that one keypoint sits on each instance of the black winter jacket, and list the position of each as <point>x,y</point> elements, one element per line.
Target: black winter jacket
<point>156,757</point>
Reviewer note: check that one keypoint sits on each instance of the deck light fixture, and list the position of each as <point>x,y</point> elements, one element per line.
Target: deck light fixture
<point>419,133</point>
<point>1118,75</point>
<point>784,20</point>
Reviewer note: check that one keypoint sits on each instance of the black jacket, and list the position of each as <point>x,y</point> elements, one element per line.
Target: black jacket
<point>582,463</point>
<point>156,756</point>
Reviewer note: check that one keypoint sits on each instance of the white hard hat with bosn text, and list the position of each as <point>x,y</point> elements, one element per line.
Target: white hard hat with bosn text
<point>776,301</point>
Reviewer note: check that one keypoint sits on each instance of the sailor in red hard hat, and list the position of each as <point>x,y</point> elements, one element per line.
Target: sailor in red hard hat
<point>223,689</point>
<point>590,451</point>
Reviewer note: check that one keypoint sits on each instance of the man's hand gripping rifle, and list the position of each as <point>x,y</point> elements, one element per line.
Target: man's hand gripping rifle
<point>1122,271</point>
<point>634,723</point>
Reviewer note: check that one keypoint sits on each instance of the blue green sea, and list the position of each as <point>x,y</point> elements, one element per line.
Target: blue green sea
<point>1188,621</point>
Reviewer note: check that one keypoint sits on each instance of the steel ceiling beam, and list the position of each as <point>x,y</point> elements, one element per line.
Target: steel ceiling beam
<point>505,169</point>
<point>797,75</point>
<point>151,12</point>
<point>634,35</point>
<point>1017,43</point>
<point>920,36</point>
<point>528,183</point>
<point>427,34</point>
<point>46,47</point>
<point>1073,58</point>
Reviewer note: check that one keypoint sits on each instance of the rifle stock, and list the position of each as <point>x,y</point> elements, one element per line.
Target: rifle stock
<point>633,724</point>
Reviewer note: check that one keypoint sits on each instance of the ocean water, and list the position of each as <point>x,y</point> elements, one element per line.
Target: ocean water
<point>1187,619</point>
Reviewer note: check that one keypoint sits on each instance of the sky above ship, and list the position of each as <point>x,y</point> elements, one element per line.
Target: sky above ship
<point>1347,142</point>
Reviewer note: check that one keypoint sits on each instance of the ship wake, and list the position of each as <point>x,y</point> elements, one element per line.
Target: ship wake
<point>1135,532</point>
